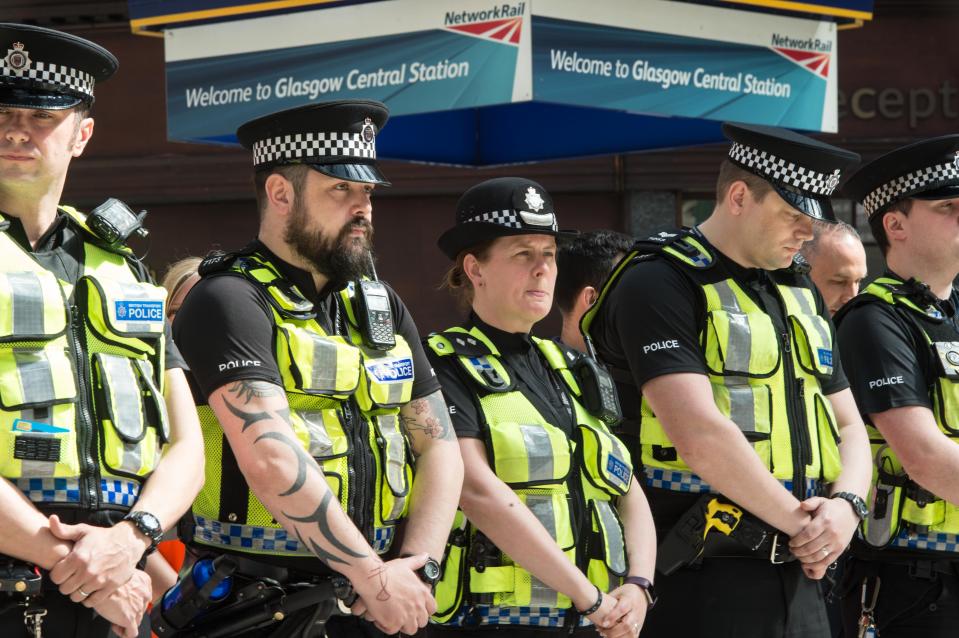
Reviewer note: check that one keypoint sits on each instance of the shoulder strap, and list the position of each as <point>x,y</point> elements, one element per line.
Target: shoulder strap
<point>281,293</point>
<point>476,354</point>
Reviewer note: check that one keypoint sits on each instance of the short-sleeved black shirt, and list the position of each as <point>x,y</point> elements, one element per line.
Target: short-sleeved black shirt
<point>650,324</point>
<point>524,362</point>
<point>225,329</point>
<point>889,363</point>
<point>60,250</point>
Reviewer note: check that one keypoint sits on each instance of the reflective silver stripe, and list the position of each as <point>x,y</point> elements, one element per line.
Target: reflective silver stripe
<point>146,374</point>
<point>395,393</point>
<point>613,534</point>
<point>321,445</point>
<point>539,452</point>
<point>323,374</point>
<point>395,451</point>
<point>123,396</point>
<point>877,530</point>
<point>540,594</point>
<point>35,376</point>
<point>738,346</point>
<point>27,300</point>
<point>742,403</point>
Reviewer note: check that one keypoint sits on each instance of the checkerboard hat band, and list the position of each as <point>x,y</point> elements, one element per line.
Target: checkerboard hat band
<point>53,74</point>
<point>915,182</point>
<point>313,145</point>
<point>507,218</point>
<point>783,171</point>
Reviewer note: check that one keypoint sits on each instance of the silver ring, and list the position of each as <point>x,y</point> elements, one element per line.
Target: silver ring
<point>825,551</point>
<point>83,593</point>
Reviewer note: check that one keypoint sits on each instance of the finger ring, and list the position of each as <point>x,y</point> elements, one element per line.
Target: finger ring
<point>83,593</point>
<point>636,627</point>
<point>825,551</point>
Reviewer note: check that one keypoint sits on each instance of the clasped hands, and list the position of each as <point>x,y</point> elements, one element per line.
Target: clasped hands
<point>825,537</point>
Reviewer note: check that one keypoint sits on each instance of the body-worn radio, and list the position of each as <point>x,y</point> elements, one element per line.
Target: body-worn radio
<point>598,390</point>
<point>114,222</point>
<point>375,317</point>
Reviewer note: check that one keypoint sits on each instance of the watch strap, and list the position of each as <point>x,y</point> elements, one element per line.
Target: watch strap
<point>646,585</point>
<point>137,519</point>
<point>858,505</point>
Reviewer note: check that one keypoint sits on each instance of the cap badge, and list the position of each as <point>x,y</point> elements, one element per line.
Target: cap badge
<point>17,59</point>
<point>955,160</point>
<point>369,131</point>
<point>534,200</point>
<point>833,180</point>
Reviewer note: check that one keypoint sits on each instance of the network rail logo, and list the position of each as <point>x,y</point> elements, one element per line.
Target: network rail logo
<point>501,22</point>
<point>812,54</point>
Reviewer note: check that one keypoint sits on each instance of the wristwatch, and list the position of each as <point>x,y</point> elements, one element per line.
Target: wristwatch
<point>430,573</point>
<point>148,525</point>
<point>646,585</point>
<point>858,505</point>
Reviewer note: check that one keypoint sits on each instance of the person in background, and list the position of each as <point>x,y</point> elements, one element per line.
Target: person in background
<point>583,264</point>
<point>837,262</point>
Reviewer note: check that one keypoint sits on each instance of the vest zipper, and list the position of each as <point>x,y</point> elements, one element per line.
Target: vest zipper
<point>86,432</point>
<point>798,430</point>
<point>359,473</point>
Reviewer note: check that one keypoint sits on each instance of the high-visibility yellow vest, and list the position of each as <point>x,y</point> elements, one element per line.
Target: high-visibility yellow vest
<point>901,513</point>
<point>82,414</point>
<point>768,384</point>
<point>344,402</point>
<point>560,479</point>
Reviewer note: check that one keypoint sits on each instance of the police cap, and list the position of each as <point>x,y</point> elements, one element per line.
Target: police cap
<point>336,138</point>
<point>46,69</point>
<point>924,170</point>
<point>498,208</point>
<point>803,171</point>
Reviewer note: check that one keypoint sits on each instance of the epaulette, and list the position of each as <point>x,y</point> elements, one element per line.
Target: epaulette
<point>79,220</point>
<point>680,244</point>
<point>460,343</point>
<point>219,260</point>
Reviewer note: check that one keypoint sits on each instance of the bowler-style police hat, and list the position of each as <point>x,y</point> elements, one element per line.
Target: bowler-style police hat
<point>498,208</point>
<point>803,171</point>
<point>335,138</point>
<point>924,170</point>
<point>47,69</point>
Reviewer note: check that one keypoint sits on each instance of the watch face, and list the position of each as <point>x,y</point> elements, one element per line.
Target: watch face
<point>431,570</point>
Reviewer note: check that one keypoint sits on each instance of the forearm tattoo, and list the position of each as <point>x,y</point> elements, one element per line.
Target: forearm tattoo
<point>430,416</point>
<point>324,544</point>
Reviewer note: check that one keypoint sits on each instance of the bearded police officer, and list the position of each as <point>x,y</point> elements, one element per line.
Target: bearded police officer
<point>84,366</point>
<point>308,369</point>
<point>735,398</point>
<point>900,337</point>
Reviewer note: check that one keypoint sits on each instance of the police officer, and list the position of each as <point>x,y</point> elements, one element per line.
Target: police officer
<point>583,263</point>
<point>555,518</point>
<point>309,369</point>
<point>735,398</point>
<point>900,337</point>
<point>837,262</point>
<point>84,366</point>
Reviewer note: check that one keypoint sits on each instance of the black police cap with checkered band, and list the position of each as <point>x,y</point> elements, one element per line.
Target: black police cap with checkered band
<point>924,170</point>
<point>46,69</point>
<point>336,138</point>
<point>803,171</point>
<point>498,208</point>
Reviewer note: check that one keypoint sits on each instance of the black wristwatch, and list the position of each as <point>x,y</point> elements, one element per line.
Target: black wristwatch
<point>646,585</point>
<point>430,573</point>
<point>148,525</point>
<point>858,505</point>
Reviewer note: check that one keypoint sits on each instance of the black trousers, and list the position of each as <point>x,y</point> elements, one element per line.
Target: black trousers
<point>505,631</point>
<point>912,602</point>
<point>738,598</point>
<point>64,619</point>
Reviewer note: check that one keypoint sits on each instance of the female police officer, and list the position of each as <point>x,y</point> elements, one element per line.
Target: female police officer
<point>548,490</point>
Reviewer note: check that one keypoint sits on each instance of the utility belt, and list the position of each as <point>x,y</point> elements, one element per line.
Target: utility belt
<point>715,528</point>
<point>21,587</point>
<point>230,595</point>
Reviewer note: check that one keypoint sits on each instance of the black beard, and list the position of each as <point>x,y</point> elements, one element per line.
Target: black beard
<point>342,258</point>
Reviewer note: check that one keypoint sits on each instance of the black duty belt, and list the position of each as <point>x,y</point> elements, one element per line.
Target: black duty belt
<point>715,528</point>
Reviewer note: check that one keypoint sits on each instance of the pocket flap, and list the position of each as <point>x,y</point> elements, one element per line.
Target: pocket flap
<point>729,339</point>
<point>526,454</point>
<point>36,377</point>
<point>127,309</point>
<point>607,461</point>
<point>813,342</point>
<point>122,396</point>
<point>321,365</point>
<point>33,306</point>
<point>606,520</point>
<point>326,437</point>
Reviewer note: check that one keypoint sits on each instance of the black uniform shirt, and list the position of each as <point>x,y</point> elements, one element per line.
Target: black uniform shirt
<point>890,363</point>
<point>527,368</point>
<point>650,324</point>
<point>225,329</point>
<point>60,250</point>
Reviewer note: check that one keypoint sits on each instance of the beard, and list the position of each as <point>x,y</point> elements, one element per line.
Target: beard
<point>341,258</point>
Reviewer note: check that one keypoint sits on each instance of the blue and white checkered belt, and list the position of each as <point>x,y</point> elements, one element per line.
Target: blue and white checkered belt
<point>266,540</point>
<point>677,481</point>
<point>927,541</point>
<point>50,490</point>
